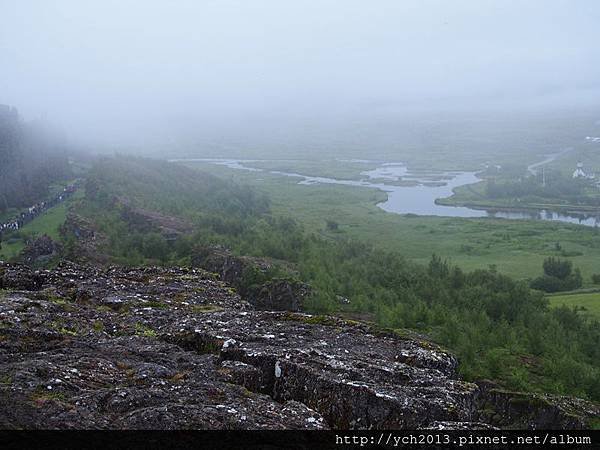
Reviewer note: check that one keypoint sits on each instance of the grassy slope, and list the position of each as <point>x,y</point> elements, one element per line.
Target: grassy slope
<point>47,223</point>
<point>516,248</point>
<point>589,301</point>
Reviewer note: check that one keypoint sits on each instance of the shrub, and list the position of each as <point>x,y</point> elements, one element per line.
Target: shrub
<point>555,267</point>
<point>155,246</point>
<point>332,225</point>
<point>549,283</point>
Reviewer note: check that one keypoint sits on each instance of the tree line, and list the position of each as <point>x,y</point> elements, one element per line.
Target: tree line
<point>32,158</point>
<point>557,186</point>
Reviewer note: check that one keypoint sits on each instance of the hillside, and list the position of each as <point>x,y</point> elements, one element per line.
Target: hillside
<point>501,336</point>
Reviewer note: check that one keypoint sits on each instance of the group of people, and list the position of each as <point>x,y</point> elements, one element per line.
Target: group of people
<point>32,212</point>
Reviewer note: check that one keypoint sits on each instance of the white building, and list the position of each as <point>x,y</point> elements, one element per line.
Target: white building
<point>580,172</point>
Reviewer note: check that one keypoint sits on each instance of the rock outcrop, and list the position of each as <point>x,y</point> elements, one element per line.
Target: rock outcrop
<point>40,251</point>
<point>85,242</point>
<point>171,348</point>
<point>146,220</point>
<point>520,410</point>
<point>253,278</point>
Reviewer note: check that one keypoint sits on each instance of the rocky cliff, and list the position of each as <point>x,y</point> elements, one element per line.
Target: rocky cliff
<point>267,284</point>
<point>166,348</point>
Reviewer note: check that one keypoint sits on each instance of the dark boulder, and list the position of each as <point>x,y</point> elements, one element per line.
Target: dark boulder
<point>40,251</point>
<point>278,295</point>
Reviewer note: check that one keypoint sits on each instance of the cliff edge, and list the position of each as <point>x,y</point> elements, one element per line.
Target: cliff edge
<point>171,348</point>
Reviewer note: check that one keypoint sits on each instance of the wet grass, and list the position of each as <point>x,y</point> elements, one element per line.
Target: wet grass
<point>588,302</point>
<point>47,223</point>
<point>144,330</point>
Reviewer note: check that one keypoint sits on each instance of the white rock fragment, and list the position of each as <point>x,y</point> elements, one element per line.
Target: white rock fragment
<point>277,370</point>
<point>229,343</point>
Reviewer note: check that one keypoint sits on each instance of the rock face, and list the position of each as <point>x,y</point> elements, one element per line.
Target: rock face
<point>86,240</point>
<point>40,251</point>
<point>278,295</point>
<point>250,276</point>
<point>146,220</point>
<point>84,347</point>
<point>518,410</point>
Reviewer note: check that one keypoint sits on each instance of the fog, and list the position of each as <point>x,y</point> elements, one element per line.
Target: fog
<point>153,72</point>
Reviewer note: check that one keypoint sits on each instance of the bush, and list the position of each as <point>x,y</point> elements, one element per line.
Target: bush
<point>558,276</point>
<point>155,246</point>
<point>555,267</point>
<point>332,225</point>
<point>438,267</point>
<point>549,283</point>
<point>596,278</point>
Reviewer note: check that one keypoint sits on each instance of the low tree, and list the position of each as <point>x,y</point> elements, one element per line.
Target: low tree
<point>555,267</point>
<point>155,246</point>
<point>438,267</point>
<point>558,276</point>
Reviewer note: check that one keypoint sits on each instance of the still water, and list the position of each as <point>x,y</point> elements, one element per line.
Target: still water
<point>418,192</point>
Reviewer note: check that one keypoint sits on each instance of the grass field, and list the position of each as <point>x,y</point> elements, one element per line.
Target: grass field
<point>514,247</point>
<point>317,168</point>
<point>47,223</point>
<point>590,302</point>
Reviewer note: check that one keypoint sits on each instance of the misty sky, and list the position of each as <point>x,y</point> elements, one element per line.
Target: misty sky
<point>102,67</point>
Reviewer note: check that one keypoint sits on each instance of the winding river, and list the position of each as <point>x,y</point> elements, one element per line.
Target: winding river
<point>416,192</point>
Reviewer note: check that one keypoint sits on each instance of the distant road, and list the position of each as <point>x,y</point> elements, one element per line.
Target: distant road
<point>532,168</point>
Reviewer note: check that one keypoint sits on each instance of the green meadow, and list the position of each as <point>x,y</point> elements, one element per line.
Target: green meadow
<point>514,247</point>
<point>47,223</point>
<point>588,302</point>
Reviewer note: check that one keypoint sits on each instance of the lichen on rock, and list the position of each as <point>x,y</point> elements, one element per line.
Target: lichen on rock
<point>170,348</point>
